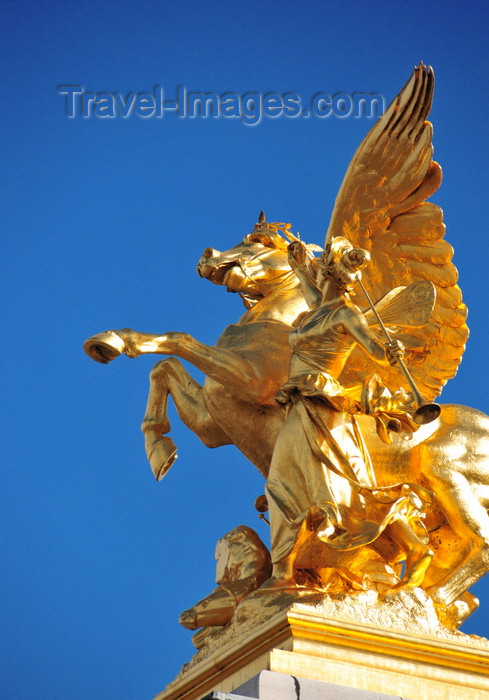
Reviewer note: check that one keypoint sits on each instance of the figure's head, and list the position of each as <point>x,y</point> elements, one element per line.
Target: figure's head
<point>343,263</point>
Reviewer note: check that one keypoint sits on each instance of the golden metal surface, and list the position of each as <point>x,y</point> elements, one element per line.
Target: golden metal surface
<point>243,565</point>
<point>397,647</point>
<point>381,206</point>
<point>360,496</point>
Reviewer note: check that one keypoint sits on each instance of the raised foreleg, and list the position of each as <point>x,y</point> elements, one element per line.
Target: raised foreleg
<point>229,367</point>
<point>169,377</point>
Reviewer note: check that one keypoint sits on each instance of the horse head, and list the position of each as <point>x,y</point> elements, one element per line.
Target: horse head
<point>256,266</point>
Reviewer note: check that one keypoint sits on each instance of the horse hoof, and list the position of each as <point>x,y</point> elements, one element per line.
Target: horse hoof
<point>161,456</point>
<point>104,347</point>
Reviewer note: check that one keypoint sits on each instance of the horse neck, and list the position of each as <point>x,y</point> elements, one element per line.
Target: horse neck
<point>283,302</point>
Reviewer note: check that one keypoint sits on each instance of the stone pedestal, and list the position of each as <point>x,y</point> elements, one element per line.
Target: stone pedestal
<point>395,647</point>
<point>270,685</point>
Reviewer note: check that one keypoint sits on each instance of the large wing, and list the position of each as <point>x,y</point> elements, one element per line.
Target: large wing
<point>381,207</point>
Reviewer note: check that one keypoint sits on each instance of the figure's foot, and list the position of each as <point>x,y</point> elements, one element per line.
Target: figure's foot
<point>104,347</point>
<point>161,455</point>
<point>417,564</point>
<point>275,585</point>
<point>282,577</point>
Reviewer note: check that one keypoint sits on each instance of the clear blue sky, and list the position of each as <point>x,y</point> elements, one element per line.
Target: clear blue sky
<point>103,222</point>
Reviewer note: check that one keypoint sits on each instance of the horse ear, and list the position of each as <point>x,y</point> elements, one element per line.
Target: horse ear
<point>261,218</point>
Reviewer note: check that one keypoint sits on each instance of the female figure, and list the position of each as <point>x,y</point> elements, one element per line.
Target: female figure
<point>321,482</point>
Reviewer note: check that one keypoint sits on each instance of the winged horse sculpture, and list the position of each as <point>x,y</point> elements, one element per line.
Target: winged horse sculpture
<point>382,208</point>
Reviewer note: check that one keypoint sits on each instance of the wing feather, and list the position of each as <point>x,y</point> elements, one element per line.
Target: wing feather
<point>381,206</point>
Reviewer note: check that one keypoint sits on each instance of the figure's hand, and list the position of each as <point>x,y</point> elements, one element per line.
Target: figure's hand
<point>297,254</point>
<point>394,351</point>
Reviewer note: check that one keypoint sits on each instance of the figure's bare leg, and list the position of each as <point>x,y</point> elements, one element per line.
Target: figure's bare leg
<point>169,377</point>
<point>418,555</point>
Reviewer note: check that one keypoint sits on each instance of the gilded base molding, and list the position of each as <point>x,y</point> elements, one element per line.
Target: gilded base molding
<point>399,647</point>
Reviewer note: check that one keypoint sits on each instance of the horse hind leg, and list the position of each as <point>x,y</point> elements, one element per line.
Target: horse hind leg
<point>169,378</point>
<point>469,521</point>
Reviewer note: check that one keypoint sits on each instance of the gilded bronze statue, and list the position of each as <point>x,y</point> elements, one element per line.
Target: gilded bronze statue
<point>388,488</point>
<point>322,481</point>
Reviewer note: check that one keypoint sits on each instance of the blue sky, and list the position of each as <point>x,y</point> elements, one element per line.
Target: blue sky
<point>103,222</point>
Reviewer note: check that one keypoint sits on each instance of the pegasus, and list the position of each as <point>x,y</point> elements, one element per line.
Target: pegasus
<point>380,207</point>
